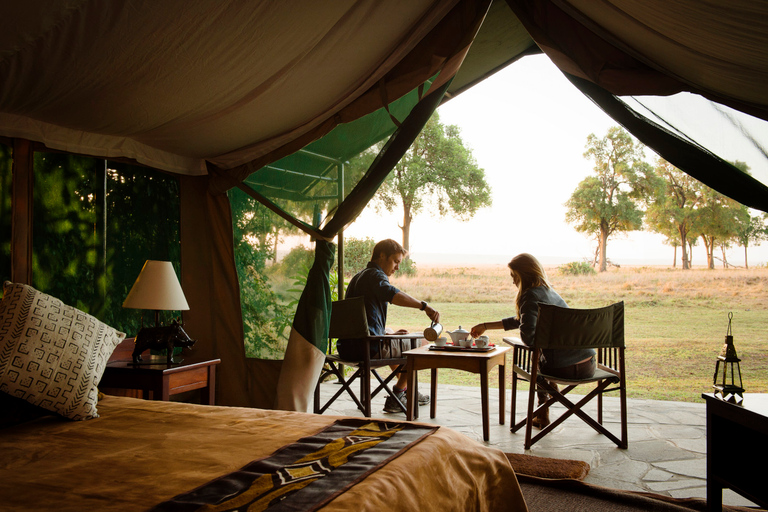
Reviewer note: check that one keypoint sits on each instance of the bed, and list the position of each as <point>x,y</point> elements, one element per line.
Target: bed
<point>138,454</point>
<point>65,446</point>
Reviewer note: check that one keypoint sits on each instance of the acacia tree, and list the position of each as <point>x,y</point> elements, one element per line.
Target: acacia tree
<point>610,202</point>
<point>750,229</point>
<point>715,221</point>
<point>437,169</point>
<point>719,219</point>
<point>674,209</point>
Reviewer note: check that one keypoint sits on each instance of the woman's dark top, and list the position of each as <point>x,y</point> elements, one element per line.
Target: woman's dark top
<point>529,315</point>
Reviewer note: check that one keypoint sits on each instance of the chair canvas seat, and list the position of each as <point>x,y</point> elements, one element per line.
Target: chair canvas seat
<point>339,360</point>
<point>599,375</point>
<point>564,328</point>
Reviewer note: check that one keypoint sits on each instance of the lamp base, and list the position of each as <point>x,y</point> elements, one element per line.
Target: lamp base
<point>155,359</point>
<point>164,338</point>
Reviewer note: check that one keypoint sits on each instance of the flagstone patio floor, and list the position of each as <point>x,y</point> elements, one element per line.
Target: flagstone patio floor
<point>667,440</point>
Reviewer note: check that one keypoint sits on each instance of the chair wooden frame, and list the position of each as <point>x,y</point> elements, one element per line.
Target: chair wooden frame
<point>607,339</point>
<point>348,321</point>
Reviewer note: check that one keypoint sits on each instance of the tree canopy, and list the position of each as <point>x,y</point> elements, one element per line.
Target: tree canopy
<point>609,202</point>
<point>674,210</point>
<point>437,170</point>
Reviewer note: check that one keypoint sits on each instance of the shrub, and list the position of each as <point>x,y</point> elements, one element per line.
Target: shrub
<point>577,268</point>
<point>357,254</point>
<point>407,268</point>
<point>297,260</point>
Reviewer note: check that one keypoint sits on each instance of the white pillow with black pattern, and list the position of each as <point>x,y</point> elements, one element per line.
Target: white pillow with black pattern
<point>52,355</point>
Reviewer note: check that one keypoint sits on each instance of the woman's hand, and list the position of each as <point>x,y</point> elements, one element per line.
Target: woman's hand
<point>477,330</point>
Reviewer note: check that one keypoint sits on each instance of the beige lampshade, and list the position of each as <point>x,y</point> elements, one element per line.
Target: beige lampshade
<point>158,288</point>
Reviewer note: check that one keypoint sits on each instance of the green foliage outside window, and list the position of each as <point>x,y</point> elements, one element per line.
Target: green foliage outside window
<point>267,317</point>
<point>95,224</point>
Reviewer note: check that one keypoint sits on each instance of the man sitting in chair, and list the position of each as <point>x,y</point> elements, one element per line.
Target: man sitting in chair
<point>533,289</point>
<point>372,283</point>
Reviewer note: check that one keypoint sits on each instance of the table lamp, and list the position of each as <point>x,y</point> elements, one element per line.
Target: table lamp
<point>157,288</point>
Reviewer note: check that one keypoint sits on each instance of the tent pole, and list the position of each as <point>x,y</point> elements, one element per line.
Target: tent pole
<point>100,273</point>
<point>340,274</point>
<point>21,211</point>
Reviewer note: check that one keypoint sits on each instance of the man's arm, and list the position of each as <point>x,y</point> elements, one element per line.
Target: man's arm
<point>405,300</point>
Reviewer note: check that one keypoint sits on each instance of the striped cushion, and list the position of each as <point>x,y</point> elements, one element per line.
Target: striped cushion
<point>52,355</point>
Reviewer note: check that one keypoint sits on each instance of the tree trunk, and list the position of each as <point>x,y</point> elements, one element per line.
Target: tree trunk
<point>709,246</point>
<point>746,263</point>
<point>275,245</point>
<point>603,243</point>
<point>674,258</point>
<point>684,247</point>
<point>690,254</point>
<point>406,227</point>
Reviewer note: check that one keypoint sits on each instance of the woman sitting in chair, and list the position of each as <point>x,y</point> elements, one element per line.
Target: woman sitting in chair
<point>533,289</point>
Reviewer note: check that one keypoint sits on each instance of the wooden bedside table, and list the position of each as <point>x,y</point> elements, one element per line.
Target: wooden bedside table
<point>159,381</point>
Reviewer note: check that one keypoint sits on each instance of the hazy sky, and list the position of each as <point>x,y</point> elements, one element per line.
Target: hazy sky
<point>527,127</point>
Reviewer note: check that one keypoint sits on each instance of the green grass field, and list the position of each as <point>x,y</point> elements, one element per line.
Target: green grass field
<point>675,321</point>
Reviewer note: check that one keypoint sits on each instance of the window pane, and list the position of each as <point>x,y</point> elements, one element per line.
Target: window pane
<point>95,224</point>
<point>6,164</point>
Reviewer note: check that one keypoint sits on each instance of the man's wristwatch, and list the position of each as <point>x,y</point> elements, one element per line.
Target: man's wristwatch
<point>423,305</point>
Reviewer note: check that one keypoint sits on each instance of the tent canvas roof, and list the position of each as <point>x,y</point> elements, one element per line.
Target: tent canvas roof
<point>190,86</point>
<point>214,91</point>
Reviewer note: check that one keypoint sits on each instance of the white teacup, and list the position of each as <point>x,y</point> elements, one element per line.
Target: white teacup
<point>440,342</point>
<point>467,343</point>
<point>482,341</point>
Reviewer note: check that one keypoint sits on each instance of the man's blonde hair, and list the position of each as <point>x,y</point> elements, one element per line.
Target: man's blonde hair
<point>530,272</point>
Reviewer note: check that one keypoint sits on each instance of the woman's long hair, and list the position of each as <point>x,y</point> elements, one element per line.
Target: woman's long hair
<point>530,272</point>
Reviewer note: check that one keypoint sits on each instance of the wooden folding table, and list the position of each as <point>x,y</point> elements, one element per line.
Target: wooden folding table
<point>423,358</point>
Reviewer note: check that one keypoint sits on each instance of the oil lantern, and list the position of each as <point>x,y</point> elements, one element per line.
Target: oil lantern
<point>727,380</point>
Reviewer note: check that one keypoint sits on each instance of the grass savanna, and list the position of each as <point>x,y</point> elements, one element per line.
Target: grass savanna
<point>675,323</point>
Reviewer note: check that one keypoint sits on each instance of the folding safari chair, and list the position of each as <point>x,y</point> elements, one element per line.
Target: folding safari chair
<point>566,328</point>
<point>348,321</point>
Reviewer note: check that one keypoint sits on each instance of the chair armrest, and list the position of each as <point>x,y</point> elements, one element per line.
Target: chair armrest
<point>516,342</point>
<point>522,356</point>
<point>608,369</point>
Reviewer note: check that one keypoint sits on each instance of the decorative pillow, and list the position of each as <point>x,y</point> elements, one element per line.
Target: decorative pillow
<point>52,355</point>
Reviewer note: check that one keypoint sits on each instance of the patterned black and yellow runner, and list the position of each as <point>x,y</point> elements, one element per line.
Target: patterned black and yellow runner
<point>307,474</point>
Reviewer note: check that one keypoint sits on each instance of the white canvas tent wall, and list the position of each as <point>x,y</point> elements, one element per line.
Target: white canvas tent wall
<point>213,90</point>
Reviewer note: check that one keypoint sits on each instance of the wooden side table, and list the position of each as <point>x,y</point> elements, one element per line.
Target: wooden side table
<point>476,362</point>
<point>736,448</point>
<point>160,382</point>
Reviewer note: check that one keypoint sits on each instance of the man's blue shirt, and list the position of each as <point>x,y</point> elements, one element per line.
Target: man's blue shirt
<point>373,285</point>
